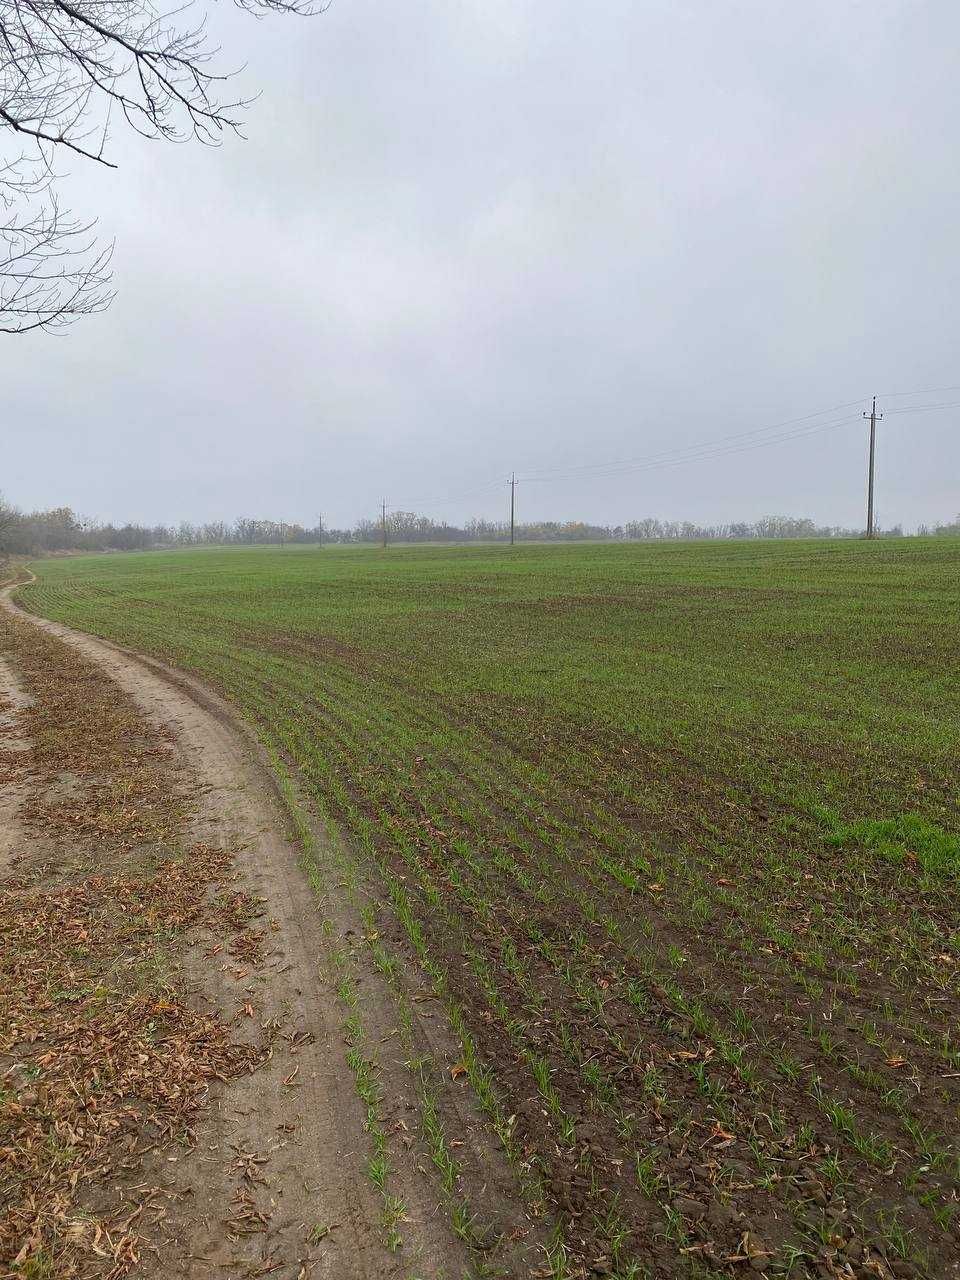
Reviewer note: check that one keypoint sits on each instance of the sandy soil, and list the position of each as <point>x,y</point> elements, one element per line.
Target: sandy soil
<point>13,699</point>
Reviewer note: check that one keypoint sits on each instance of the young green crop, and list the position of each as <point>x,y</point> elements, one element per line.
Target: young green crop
<point>672,830</point>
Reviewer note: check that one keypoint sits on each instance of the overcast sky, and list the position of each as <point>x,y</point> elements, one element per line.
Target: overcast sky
<point>462,238</point>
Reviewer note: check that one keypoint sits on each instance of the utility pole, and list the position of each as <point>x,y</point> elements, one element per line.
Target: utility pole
<point>513,495</point>
<point>873,417</point>
<point>383,521</point>
<point>320,528</point>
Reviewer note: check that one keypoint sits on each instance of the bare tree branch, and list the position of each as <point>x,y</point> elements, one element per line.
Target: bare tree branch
<point>65,65</point>
<point>51,271</point>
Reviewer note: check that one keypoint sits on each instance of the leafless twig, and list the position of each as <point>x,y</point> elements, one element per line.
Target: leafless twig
<point>68,68</point>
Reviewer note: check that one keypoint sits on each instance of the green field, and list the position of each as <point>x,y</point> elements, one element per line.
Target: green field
<point>673,831</point>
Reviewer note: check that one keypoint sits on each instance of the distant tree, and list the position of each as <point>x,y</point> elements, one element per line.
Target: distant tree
<point>10,519</point>
<point>131,537</point>
<point>245,530</point>
<point>58,529</point>
<point>69,69</point>
<point>214,533</point>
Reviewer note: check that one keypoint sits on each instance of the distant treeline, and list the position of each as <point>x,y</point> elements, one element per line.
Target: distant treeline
<point>60,529</point>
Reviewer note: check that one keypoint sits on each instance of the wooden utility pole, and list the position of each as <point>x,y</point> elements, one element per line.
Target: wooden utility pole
<point>383,521</point>
<point>513,494</point>
<point>873,418</point>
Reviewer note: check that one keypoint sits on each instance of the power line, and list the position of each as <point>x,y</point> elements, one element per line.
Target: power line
<point>457,497</point>
<point>746,441</point>
<point>706,453</point>
<point>704,444</point>
<point>924,408</point>
<point>696,451</point>
<point>723,447</point>
<point>930,391</point>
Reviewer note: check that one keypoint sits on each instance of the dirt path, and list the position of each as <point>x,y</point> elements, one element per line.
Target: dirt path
<point>12,701</point>
<point>277,1182</point>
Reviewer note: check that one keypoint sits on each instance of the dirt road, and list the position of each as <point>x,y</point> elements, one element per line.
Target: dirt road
<point>277,1177</point>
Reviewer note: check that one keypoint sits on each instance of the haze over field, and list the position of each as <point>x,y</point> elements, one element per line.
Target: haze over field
<point>465,239</point>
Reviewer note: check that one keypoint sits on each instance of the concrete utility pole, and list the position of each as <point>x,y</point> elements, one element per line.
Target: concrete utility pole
<point>513,494</point>
<point>383,521</point>
<point>873,417</point>
<point>320,529</point>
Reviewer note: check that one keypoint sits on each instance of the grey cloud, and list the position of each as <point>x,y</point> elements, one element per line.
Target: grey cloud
<point>466,238</point>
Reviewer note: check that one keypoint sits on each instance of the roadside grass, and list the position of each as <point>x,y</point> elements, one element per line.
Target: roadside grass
<point>671,831</point>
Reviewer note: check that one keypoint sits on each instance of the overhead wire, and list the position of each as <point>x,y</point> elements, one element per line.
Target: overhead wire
<point>930,391</point>
<point>921,408</point>
<point>691,448</point>
<point>749,440</point>
<point>705,453</point>
<point>457,497</point>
